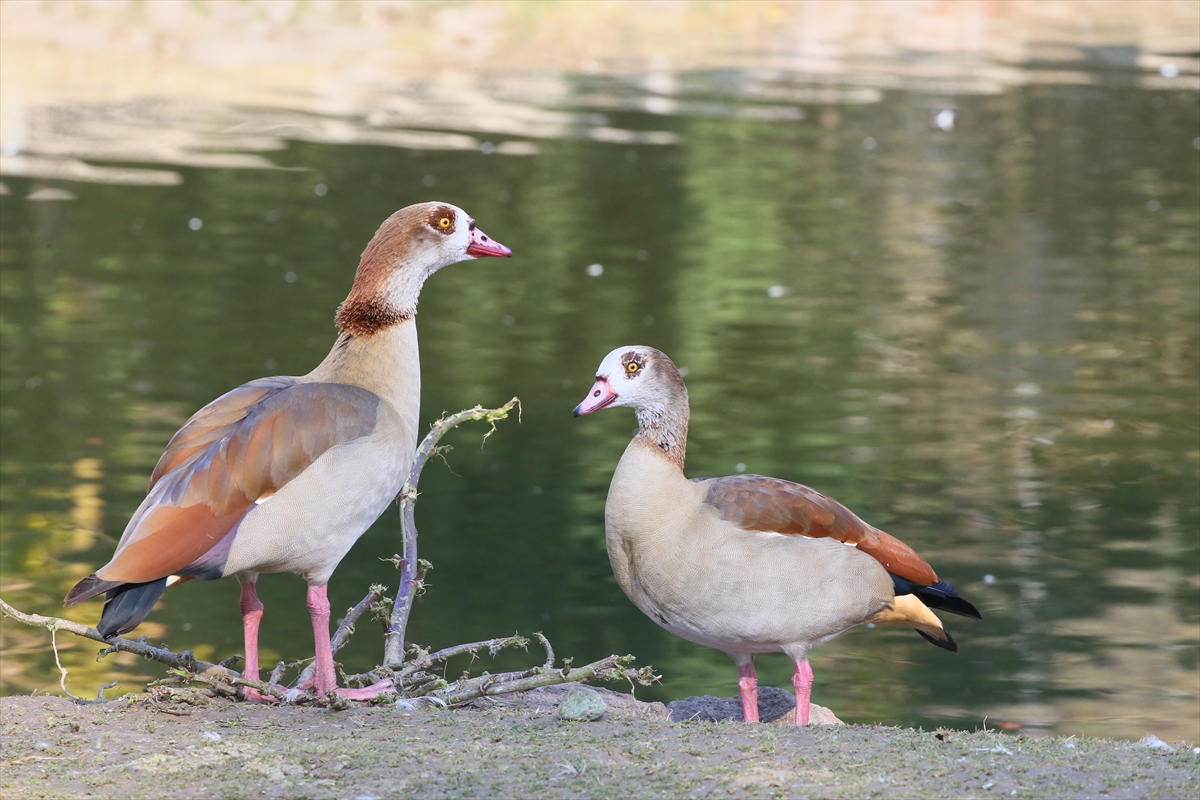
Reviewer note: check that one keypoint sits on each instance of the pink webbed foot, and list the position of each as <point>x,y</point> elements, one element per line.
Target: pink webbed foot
<point>252,695</point>
<point>324,679</point>
<point>367,692</point>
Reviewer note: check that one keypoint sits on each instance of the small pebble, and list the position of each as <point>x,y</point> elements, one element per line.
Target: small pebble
<point>211,735</point>
<point>582,704</point>
<point>42,746</point>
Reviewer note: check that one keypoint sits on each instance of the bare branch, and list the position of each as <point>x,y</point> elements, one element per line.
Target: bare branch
<point>118,645</point>
<point>393,650</point>
<point>606,669</point>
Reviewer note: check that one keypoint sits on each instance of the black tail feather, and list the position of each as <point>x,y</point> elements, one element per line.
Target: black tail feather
<point>947,644</point>
<point>127,605</point>
<point>940,595</point>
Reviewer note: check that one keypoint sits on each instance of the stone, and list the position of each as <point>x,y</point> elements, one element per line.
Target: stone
<point>582,704</point>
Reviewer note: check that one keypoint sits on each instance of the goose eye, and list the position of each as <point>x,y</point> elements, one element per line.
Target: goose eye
<point>633,367</point>
<point>444,223</point>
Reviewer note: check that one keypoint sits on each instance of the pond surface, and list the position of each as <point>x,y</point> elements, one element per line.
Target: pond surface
<point>973,319</point>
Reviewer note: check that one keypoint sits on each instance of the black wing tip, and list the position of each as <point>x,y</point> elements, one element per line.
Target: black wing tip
<point>941,596</point>
<point>127,605</point>
<point>947,644</point>
<point>86,589</point>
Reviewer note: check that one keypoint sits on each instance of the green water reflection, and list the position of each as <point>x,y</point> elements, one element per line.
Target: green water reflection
<point>984,340</point>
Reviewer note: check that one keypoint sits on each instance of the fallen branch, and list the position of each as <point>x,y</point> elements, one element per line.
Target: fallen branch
<point>611,668</point>
<point>184,660</point>
<point>410,581</point>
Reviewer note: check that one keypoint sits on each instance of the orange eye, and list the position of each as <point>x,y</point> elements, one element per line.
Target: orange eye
<point>444,223</point>
<point>633,367</point>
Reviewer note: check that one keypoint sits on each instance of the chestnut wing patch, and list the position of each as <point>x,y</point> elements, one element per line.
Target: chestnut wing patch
<point>759,503</point>
<point>239,449</point>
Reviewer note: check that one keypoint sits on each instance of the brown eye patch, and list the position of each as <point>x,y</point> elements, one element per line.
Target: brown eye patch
<point>442,220</point>
<point>632,363</point>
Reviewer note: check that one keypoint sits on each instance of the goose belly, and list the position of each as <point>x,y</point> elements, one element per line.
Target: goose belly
<point>310,524</point>
<point>754,592</point>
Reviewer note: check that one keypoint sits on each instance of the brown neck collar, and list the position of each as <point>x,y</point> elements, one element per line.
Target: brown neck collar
<point>363,316</point>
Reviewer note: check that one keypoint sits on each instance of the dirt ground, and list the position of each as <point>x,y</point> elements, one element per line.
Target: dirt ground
<point>515,747</point>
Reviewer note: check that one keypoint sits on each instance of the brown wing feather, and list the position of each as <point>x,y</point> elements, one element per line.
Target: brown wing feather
<point>242,447</point>
<point>759,503</point>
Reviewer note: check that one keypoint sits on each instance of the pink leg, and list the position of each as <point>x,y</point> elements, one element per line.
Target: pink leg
<point>802,682</point>
<point>748,689</point>
<point>324,676</point>
<point>252,611</point>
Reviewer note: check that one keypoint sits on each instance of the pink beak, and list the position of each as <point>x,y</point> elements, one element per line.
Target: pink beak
<point>600,396</point>
<point>481,245</point>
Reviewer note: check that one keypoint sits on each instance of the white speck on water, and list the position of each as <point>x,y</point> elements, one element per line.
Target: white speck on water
<point>869,143</point>
<point>537,490</point>
<point>944,119</point>
<point>1153,205</point>
<point>776,292</point>
<point>195,223</point>
<point>989,578</point>
<point>595,270</point>
<point>642,255</point>
<point>290,277</point>
<point>487,148</point>
<point>212,736</point>
<point>427,181</point>
<point>320,190</point>
<point>1169,70</point>
<point>509,321</point>
<point>740,467</point>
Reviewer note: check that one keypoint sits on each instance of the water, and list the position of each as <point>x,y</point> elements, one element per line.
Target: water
<point>971,318</point>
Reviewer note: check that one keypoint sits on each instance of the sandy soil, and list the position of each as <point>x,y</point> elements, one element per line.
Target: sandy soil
<point>515,747</point>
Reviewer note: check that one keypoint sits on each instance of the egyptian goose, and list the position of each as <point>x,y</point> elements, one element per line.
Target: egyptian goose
<point>745,564</point>
<point>284,474</point>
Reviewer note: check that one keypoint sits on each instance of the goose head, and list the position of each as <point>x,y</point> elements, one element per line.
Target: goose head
<point>636,376</point>
<point>409,246</point>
